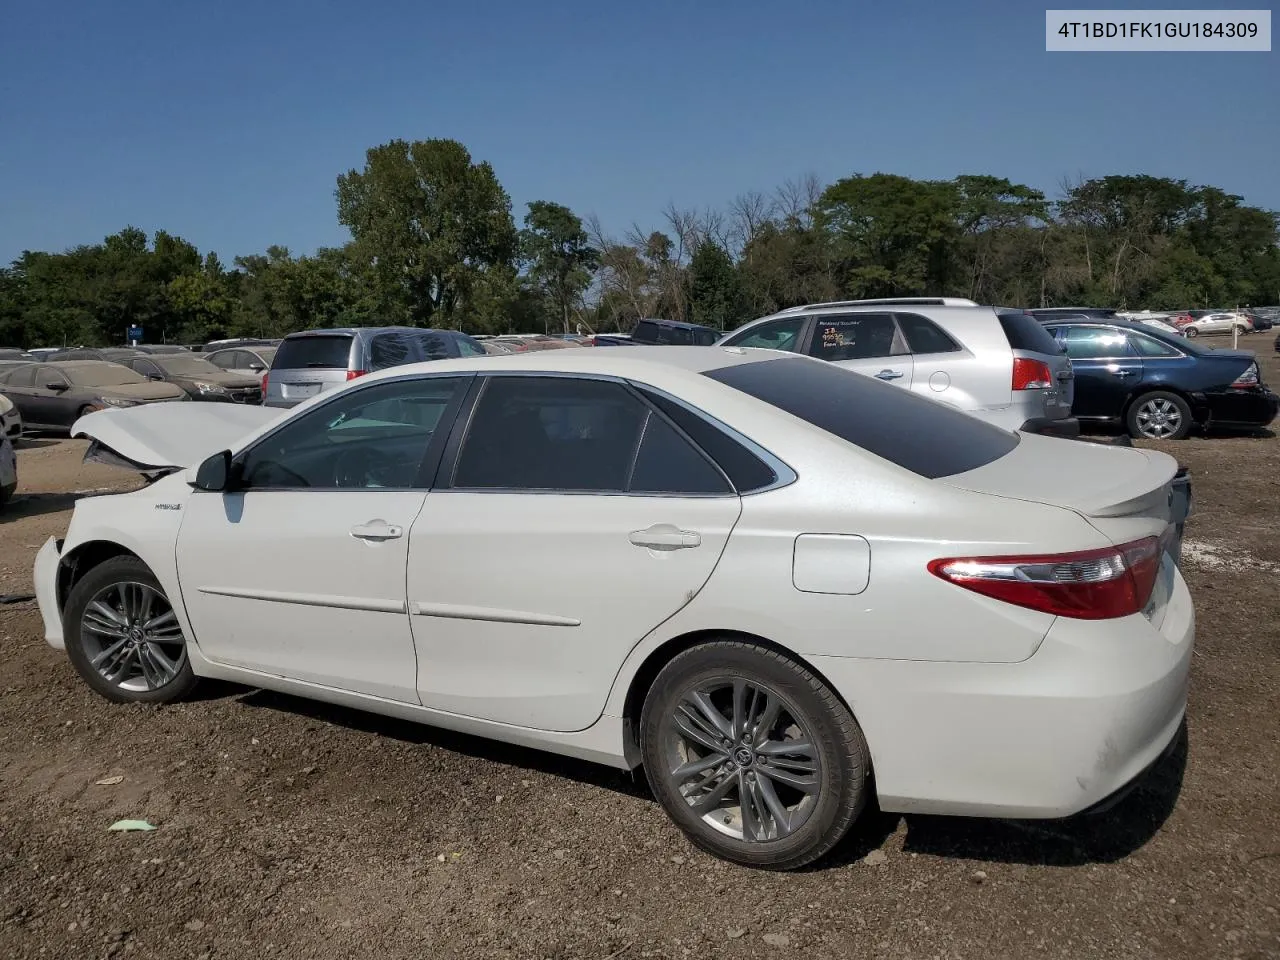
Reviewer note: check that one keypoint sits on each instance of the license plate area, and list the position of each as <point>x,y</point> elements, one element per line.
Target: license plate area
<point>292,390</point>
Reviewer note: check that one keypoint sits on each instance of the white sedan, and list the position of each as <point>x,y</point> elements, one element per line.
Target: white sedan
<point>823,576</point>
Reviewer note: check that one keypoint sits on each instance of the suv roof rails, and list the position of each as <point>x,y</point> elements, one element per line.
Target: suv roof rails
<point>890,301</point>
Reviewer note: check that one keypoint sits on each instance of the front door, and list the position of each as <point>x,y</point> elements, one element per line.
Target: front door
<point>576,520</point>
<point>1106,370</point>
<point>298,571</point>
<point>868,343</point>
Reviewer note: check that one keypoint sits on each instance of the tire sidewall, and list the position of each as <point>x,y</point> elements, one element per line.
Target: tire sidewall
<point>843,769</point>
<point>1184,408</point>
<point>111,571</point>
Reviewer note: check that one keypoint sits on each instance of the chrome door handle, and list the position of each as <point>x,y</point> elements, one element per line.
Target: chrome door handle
<point>376,531</point>
<point>1123,373</point>
<point>664,536</point>
<point>889,375</point>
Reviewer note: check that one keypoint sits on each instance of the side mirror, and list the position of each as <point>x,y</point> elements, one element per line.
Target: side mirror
<point>256,367</point>
<point>152,376</point>
<point>214,475</point>
<point>57,386</point>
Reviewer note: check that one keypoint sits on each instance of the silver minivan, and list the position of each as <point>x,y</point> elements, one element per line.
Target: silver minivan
<point>998,364</point>
<point>315,361</point>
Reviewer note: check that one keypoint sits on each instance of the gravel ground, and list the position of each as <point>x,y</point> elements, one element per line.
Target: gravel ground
<point>292,829</point>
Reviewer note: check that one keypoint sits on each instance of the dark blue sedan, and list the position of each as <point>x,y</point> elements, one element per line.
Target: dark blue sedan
<point>1160,385</point>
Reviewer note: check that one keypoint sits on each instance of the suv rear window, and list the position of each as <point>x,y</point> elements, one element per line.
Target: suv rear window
<point>918,434</point>
<point>1025,332</point>
<point>328,352</point>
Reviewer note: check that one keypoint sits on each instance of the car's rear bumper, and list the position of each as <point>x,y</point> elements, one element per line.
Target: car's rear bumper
<point>1090,711</point>
<point>1066,427</point>
<point>1252,407</point>
<point>45,575</point>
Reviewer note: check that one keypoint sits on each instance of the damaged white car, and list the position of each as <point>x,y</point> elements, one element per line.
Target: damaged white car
<point>824,576</point>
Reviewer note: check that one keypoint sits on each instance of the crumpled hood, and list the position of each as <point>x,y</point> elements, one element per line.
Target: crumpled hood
<point>171,436</point>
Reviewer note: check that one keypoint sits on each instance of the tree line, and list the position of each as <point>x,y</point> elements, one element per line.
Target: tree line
<point>434,242</point>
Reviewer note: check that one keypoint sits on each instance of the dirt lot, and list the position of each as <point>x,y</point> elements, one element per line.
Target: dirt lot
<point>290,829</point>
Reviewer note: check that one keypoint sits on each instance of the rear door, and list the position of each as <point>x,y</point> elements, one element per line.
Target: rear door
<point>562,489</point>
<point>307,365</point>
<point>19,386</point>
<point>1106,368</point>
<point>868,343</point>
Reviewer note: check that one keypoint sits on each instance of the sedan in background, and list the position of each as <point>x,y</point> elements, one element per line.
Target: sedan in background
<point>1160,386</point>
<point>53,395</point>
<point>251,361</point>
<point>829,569</point>
<point>198,377</point>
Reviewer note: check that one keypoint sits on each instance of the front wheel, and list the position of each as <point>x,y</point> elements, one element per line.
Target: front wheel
<point>123,637</point>
<point>753,756</point>
<point>1159,415</point>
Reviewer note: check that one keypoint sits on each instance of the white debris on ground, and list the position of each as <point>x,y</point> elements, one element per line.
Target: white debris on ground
<point>1215,556</point>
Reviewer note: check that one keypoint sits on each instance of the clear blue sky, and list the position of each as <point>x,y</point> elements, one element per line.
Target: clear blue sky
<point>228,122</point>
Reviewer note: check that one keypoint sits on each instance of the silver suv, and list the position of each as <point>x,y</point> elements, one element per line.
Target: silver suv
<point>998,364</point>
<point>314,361</point>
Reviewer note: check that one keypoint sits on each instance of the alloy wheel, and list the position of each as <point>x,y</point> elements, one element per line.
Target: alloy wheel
<point>744,759</point>
<point>1158,418</point>
<point>132,638</point>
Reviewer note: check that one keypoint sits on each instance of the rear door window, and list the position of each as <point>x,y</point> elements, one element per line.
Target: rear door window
<point>856,336</point>
<point>1150,346</point>
<point>396,348</point>
<point>1025,332</point>
<point>918,434</point>
<point>646,331</point>
<point>324,352</point>
<point>21,377</point>
<point>925,336</point>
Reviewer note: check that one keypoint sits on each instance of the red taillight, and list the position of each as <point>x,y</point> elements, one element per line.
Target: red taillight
<point>264,383</point>
<point>352,374</point>
<point>1247,379</point>
<point>1087,585</point>
<point>1031,374</point>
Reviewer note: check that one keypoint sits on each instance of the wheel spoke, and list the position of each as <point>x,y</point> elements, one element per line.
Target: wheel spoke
<point>805,781</point>
<point>701,765</point>
<point>108,652</point>
<point>768,716</point>
<point>691,729</point>
<point>101,619</point>
<point>706,802</point>
<point>715,720</point>
<point>754,813</point>
<point>116,669</point>
<point>786,748</point>
<point>741,708</point>
<point>777,810</point>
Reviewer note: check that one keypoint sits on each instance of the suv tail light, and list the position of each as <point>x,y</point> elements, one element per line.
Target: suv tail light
<point>1247,379</point>
<point>1087,585</point>
<point>352,374</point>
<point>1031,374</point>
<point>264,383</point>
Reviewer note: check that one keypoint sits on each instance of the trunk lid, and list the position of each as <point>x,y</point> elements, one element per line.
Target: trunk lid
<point>168,436</point>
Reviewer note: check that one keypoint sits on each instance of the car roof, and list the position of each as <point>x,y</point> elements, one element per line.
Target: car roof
<point>352,331</point>
<point>636,362</point>
<point>681,324</point>
<point>74,364</point>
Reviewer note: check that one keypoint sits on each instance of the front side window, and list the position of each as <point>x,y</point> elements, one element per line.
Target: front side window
<point>855,336</point>
<point>368,439</point>
<point>146,368</point>
<point>1095,343</point>
<point>226,360</point>
<point>468,347</point>
<point>569,434</point>
<point>776,335</point>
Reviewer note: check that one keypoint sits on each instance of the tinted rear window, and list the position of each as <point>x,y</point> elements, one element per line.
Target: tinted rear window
<point>921,435</point>
<point>1025,332</point>
<point>324,353</point>
<point>405,346</point>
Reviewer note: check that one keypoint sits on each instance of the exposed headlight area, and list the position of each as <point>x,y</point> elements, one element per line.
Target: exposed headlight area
<point>210,389</point>
<point>116,402</point>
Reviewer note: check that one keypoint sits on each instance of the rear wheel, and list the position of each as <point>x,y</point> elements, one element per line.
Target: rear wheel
<point>1242,329</point>
<point>123,637</point>
<point>1191,332</point>
<point>753,756</point>
<point>1159,415</point>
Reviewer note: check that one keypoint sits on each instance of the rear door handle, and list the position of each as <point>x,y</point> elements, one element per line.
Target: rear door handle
<point>665,536</point>
<point>376,531</point>
<point>889,375</point>
<point>1123,373</point>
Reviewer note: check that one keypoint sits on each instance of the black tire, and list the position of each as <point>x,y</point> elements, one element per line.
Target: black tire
<point>1159,399</point>
<point>842,759</point>
<point>1243,329</point>
<point>1191,332</point>
<point>109,573</point>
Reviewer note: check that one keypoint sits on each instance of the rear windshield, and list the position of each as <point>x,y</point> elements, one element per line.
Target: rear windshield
<point>1025,332</point>
<point>921,435</point>
<point>329,352</point>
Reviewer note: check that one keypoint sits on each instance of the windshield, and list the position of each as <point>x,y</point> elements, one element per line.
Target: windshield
<point>101,375</point>
<point>317,352</point>
<point>916,433</point>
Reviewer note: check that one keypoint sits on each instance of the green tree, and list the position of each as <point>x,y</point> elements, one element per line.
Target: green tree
<point>715,291</point>
<point>559,256</point>
<point>426,224</point>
